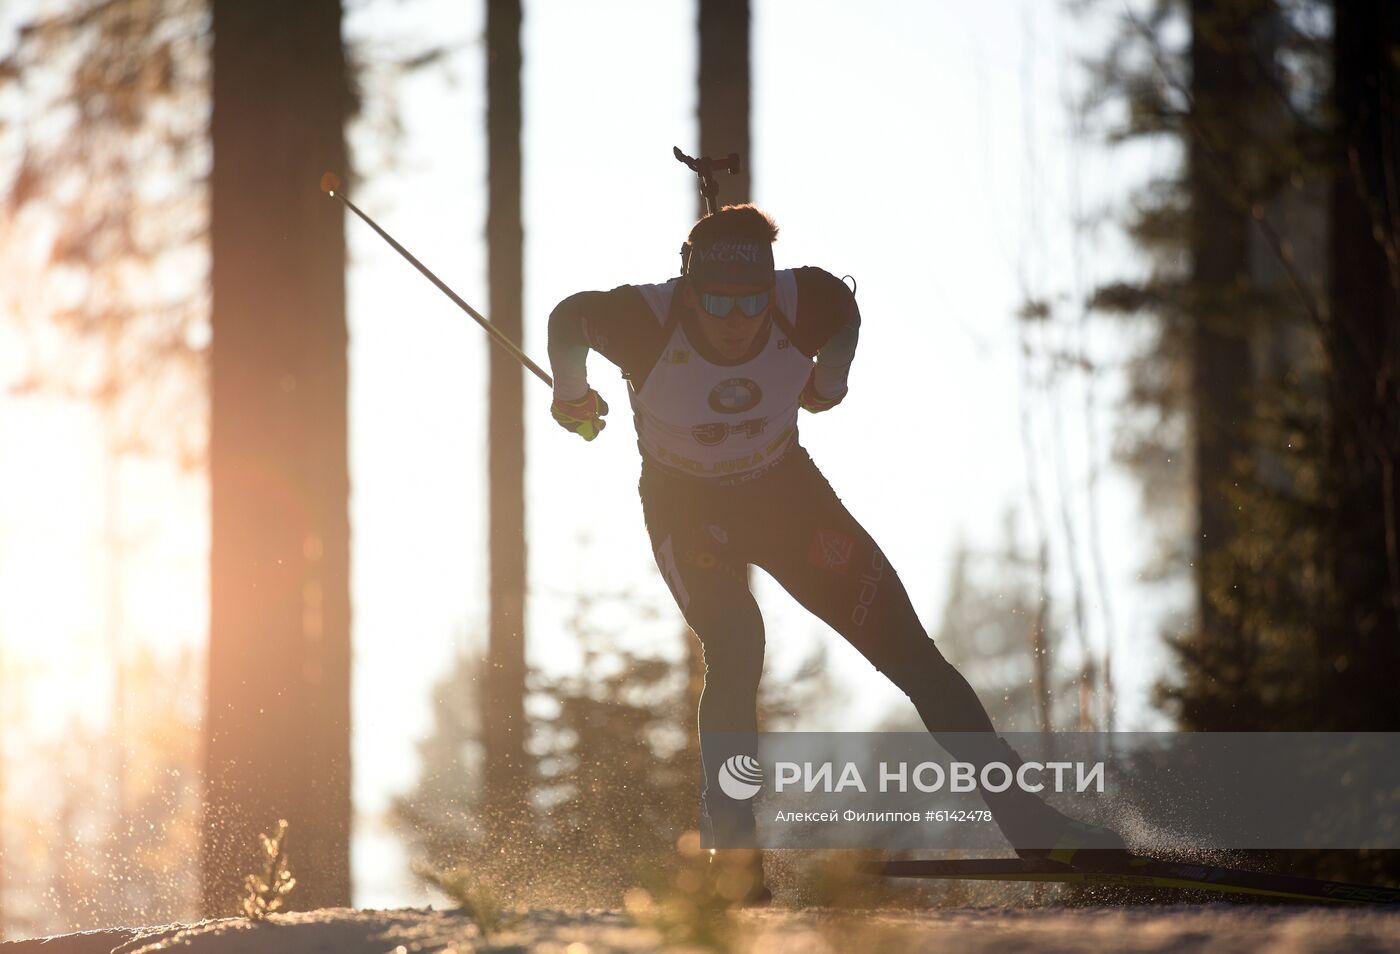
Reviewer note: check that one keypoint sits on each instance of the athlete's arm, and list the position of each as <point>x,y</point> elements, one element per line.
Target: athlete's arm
<point>835,357</point>
<point>828,326</point>
<point>576,407</point>
<point>620,326</point>
<point>568,346</point>
<point>617,324</point>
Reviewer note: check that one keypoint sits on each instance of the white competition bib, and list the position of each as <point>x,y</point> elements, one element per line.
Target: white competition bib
<point>712,420</point>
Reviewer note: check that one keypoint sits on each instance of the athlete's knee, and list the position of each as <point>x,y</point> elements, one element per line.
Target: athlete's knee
<point>914,664</point>
<point>731,639</point>
<point>735,679</point>
<point>735,663</point>
<point>730,697</point>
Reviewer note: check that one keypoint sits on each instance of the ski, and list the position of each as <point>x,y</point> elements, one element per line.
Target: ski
<point>1141,872</point>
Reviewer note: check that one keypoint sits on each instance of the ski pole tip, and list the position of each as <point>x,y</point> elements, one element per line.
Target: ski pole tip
<point>330,183</point>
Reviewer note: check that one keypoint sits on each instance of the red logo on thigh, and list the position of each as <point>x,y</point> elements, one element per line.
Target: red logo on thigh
<point>831,550</point>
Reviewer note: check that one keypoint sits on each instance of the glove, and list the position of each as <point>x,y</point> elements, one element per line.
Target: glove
<point>584,417</point>
<point>813,401</point>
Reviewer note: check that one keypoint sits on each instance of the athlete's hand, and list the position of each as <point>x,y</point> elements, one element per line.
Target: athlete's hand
<point>813,401</point>
<point>584,417</point>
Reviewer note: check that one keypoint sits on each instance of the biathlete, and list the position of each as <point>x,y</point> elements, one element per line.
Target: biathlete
<point>718,362</point>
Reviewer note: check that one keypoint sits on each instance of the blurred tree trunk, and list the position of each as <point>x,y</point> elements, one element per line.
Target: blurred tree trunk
<point>723,105</point>
<point>278,719</point>
<point>504,715</point>
<point>1362,341</point>
<point>1226,92</point>
<point>724,92</point>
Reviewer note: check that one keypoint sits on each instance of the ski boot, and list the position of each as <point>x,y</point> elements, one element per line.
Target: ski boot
<point>1039,832</point>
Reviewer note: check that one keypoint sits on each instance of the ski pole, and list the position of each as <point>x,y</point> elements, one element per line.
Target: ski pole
<point>330,185</point>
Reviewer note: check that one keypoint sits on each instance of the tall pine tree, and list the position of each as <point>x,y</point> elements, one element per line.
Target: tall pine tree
<point>1360,654</point>
<point>504,715</point>
<point>278,719</point>
<point>722,32</point>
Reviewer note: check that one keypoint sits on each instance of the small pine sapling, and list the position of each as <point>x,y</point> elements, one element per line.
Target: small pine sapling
<point>475,897</point>
<point>689,907</point>
<point>265,891</point>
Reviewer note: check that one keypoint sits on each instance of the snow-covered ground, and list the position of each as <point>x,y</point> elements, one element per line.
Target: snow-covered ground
<point>813,931</point>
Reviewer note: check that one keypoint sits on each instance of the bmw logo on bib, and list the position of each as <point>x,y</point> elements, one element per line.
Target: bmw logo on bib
<point>735,396</point>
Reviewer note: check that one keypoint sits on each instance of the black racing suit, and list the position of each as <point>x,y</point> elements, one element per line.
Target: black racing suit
<point>706,532</point>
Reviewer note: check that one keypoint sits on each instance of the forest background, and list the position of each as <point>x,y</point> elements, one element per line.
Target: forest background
<point>1125,412</point>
